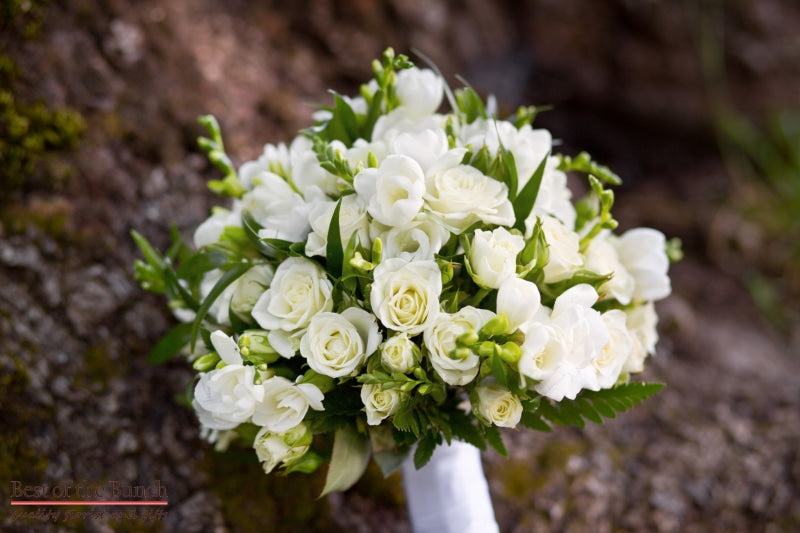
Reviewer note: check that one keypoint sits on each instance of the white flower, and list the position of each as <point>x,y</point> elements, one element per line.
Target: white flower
<point>462,195</point>
<point>419,90</point>
<point>498,405</point>
<point>299,290</point>
<point>642,321</point>
<point>274,205</point>
<point>285,404</point>
<point>226,397</point>
<point>553,198</point>
<point>352,219</point>
<point>210,230</point>
<point>643,252</point>
<point>219,309</point>
<point>393,192</point>
<point>249,288</point>
<point>274,160</point>
<point>518,300</point>
<point>336,345</point>
<point>273,449</point>
<point>559,351</point>
<point>402,120</point>
<point>608,363</point>
<point>418,240</point>
<point>564,250</point>
<point>226,348</point>
<point>379,403</point>
<point>440,340</point>
<point>493,256</point>
<point>405,295</point>
<point>601,257</point>
<point>307,175</point>
<point>399,353</point>
<point>424,147</point>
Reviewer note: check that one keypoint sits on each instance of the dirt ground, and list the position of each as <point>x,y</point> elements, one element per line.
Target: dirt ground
<point>716,450</point>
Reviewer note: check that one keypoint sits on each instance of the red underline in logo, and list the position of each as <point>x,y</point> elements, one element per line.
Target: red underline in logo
<point>89,502</point>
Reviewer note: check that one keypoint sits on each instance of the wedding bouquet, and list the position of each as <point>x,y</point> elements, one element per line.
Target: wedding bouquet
<point>398,277</point>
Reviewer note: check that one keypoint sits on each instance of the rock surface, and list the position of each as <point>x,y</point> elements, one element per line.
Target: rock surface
<point>715,451</point>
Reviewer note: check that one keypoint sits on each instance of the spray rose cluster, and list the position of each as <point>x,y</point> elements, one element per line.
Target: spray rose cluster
<point>398,275</point>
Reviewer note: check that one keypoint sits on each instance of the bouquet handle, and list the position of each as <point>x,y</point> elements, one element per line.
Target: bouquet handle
<point>450,493</point>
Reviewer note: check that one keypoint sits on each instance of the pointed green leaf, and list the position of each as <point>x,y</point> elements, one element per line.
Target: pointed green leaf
<point>523,204</point>
<point>389,461</point>
<point>170,344</point>
<point>495,439</point>
<point>424,450</point>
<point>226,279</point>
<point>349,459</point>
<point>334,253</point>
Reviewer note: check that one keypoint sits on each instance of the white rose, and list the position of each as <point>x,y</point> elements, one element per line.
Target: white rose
<point>273,449</point>
<point>299,290</point>
<point>352,219</point>
<point>307,175</point>
<point>399,353</point>
<point>493,256</point>
<point>440,340</point>
<point>285,404</point>
<point>210,230</point>
<point>424,147</point>
<point>643,252</point>
<point>249,288</point>
<point>405,294</point>
<point>402,120</point>
<point>641,321</point>
<point>394,191</point>
<point>608,363</point>
<point>379,403</point>
<point>418,240</point>
<point>226,397</point>
<point>519,300</point>
<point>336,345</point>
<point>577,336</point>
<point>498,405</point>
<point>564,250</point>
<point>419,90</point>
<point>274,205</point>
<point>462,195</point>
<point>542,351</point>
<point>601,257</point>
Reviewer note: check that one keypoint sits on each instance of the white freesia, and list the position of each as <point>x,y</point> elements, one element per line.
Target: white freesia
<point>462,195</point>
<point>249,288</point>
<point>609,362</point>
<point>281,212</point>
<point>601,257</point>
<point>379,404</point>
<point>642,322</point>
<point>285,404</point>
<point>402,120</point>
<point>405,294</point>
<point>399,353</point>
<point>563,248</point>
<point>299,290</point>
<point>424,147</point>
<point>275,159</point>
<point>394,191</point>
<point>307,175</point>
<point>440,340</point>
<point>643,252</point>
<point>352,219</point>
<point>210,230</point>
<point>553,198</point>
<point>219,308</point>
<point>419,240</point>
<point>419,90</point>
<point>559,350</point>
<point>336,345</point>
<point>493,256</point>
<point>519,300</point>
<point>498,405</point>
<point>273,449</point>
<point>226,348</point>
<point>226,397</point>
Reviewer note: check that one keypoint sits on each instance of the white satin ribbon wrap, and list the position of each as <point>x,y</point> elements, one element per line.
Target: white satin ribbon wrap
<point>450,493</point>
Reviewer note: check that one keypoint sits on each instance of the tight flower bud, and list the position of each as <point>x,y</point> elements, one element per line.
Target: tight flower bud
<point>496,326</point>
<point>206,362</point>
<point>486,349</point>
<point>255,347</point>
<point>510,352</point>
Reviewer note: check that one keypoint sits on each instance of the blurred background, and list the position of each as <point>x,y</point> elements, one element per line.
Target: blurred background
<point>696,104</point>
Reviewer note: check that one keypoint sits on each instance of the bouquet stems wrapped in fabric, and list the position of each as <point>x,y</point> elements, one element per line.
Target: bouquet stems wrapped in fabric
<point>410,270</point>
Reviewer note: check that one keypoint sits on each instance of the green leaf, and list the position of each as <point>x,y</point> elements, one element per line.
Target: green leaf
<point>349,459</point>
<point>200,263</point>
<point>523,204</point>
<point>424,450</point>
<point>170,344</point>
<point>464,429</point>
<point>334,254</point>
<point>510,174</point>
<point>470,104</point>
<point>264,247</point>
<point>534,421</point>
<point>226,279</point>
<point>389,461</point>
<point>150,254</point>
<point>495,439</point>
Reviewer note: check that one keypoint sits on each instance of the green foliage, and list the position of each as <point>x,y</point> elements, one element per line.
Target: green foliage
<point>583,162</point>
<point>589,405</point>
<point>215,150</point>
